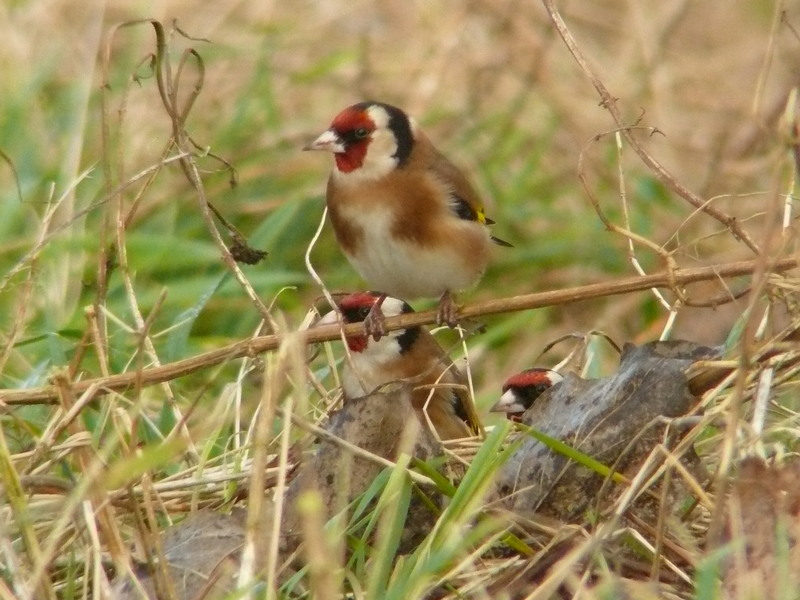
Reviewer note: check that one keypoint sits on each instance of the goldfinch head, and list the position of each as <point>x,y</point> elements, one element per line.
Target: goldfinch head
<point>368,140</point>
<point>355,307</point>
<point>521,390</point>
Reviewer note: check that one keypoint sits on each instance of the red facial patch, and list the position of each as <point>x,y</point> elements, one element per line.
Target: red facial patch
<point>352,158</point>
<point>355,308</point>
<point>347,126</point>
<point>352,303</point>
<point>357,343</point>
<point>530,377</point>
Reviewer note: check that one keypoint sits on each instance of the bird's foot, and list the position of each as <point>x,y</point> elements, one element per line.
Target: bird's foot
<point>375,321</point>
<point>448,310</point>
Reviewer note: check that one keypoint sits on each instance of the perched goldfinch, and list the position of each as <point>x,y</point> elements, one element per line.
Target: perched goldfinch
<point>406,218</point>
<point>521,390</point>
<point>413,355</point>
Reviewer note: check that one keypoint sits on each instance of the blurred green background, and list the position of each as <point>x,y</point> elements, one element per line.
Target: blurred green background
<point>489,80</point>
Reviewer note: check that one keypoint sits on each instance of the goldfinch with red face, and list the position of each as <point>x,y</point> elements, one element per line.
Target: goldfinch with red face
<point>412,354</point>
<point>406,218</point>
<point>521,390</point>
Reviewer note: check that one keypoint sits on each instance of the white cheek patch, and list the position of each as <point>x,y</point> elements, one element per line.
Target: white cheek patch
<point>379,116</point>
<point>381,151</point>
<point>378,162</point>
<point>392,307</point>
<point>368,367</point>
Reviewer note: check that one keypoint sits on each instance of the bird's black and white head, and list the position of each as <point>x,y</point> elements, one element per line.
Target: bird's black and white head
<point>521,390</point>
<point>373,363</point>
<point>354,308</point>
<point>368,140</point>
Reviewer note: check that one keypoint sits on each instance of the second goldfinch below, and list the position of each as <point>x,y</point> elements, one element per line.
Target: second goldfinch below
<point>439,391</point>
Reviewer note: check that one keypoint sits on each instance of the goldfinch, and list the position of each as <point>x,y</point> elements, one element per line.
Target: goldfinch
<point>439,394</point>
<point>521,390</point>
<point>407,219</point>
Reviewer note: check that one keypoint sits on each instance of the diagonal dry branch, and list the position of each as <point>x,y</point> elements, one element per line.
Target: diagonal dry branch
<point>252,346</point>
<point>609,102</point>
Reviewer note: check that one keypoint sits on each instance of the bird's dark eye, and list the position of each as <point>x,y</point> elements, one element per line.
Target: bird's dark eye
<point>361,133</point>
<point>363,312</point>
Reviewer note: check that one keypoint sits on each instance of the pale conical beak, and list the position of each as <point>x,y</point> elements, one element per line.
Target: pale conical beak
<point>508,403</point>
<point>328,141</point>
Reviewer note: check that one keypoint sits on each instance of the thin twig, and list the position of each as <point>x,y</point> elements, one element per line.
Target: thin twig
<point>168,87</point>
<point>253,346</point>
<point>609,102</point>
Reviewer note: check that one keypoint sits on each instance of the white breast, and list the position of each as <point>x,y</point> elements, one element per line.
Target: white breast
<point>403,269</point>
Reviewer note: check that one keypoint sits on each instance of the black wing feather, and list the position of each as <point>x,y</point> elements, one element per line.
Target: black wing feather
<point>464,210</point>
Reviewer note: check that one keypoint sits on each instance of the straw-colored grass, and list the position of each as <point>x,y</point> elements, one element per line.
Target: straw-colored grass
<point>148,374</point>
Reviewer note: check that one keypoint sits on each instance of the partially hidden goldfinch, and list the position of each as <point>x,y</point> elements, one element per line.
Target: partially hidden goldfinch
<point>521,390</point>
<point>407,218</point>
<point>439,392</point>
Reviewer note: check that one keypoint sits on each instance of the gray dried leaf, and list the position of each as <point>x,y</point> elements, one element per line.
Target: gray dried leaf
<point>600,418</point>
